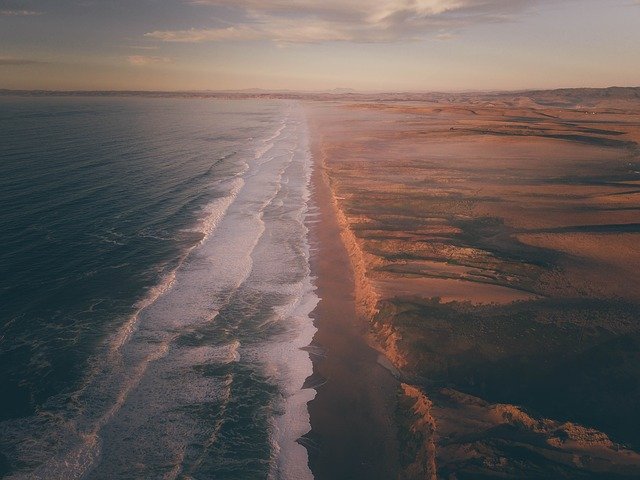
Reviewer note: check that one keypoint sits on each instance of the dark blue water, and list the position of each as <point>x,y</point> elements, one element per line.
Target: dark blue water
<point>108,208</point>
<point>95,198</point>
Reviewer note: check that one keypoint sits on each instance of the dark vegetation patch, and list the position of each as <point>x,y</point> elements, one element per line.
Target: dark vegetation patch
<point>571,360</point>
<point>492,235</point>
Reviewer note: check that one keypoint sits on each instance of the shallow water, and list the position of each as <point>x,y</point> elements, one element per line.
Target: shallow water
<point>155,288</point>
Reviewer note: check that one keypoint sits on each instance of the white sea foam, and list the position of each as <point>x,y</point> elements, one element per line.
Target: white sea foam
<point>215,210</point>
<point>212,215</point>
<point>124,332</point>
<point>287,357</point>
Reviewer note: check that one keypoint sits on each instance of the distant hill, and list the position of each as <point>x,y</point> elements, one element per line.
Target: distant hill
<point>613,97</point>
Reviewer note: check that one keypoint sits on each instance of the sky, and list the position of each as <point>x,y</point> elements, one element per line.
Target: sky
<point>310,45</point>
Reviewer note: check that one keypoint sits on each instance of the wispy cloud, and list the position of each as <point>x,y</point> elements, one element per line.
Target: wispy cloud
<point>365,21</point>
<point>144,60</point>
<point>143,47</point>
<point>278,30</point>
<point>16,62</point>
<point>19,13</point>
<point>443,37</point>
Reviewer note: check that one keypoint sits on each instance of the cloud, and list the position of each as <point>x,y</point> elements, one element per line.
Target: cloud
<point>9,61</point>
<point>281,31</point>
<point>443,37</point>
<point>144,47</point>
<point>143,60</point>
<point>19,13</point>
<point>195,35</point>
<point>364,21</point>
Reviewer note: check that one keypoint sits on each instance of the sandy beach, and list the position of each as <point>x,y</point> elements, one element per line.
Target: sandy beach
<point>352,416</point>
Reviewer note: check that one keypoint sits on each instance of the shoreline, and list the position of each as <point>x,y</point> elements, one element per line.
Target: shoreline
<point>353,430</point>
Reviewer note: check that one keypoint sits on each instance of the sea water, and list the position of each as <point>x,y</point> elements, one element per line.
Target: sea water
<point>155,288</point>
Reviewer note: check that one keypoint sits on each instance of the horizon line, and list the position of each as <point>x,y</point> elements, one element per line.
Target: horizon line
<point>330,91</point>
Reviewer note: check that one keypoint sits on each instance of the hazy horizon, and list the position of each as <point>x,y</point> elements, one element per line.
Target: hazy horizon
<point>335,90</point>
<point>302,45</point>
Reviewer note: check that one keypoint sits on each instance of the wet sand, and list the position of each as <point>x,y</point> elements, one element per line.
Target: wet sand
<point>352,416</point>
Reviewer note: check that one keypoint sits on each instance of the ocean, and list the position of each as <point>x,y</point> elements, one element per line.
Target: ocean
<point>155,289</point>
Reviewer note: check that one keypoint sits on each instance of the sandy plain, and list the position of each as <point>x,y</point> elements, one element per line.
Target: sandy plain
<point>493,243</point>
